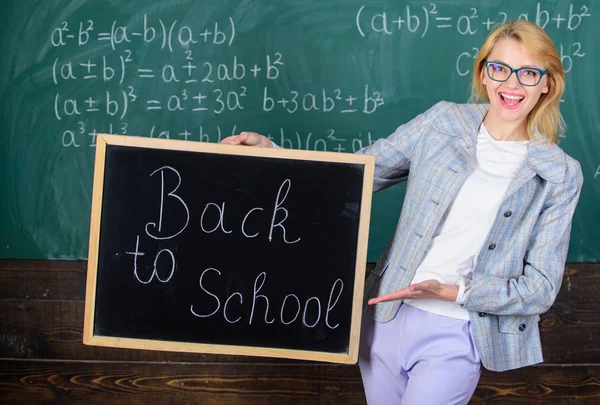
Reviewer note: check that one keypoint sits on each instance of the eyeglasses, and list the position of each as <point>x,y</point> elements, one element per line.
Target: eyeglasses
<point>527,76</point>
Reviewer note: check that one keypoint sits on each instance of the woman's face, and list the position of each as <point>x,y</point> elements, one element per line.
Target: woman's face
<point>510,101</point>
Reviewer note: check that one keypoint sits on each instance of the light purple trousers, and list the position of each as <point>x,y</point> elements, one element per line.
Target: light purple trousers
<point>418,358</point>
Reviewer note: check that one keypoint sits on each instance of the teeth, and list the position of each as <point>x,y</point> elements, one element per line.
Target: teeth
<point>512,97</point>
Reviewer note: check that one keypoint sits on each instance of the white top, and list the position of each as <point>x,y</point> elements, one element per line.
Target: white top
<point>464,228</point>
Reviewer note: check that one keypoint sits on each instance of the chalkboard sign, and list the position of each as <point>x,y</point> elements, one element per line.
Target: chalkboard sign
<point>227,249</point>
<point>311,74</point>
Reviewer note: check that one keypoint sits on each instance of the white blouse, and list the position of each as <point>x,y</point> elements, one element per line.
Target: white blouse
<point>464,228</point>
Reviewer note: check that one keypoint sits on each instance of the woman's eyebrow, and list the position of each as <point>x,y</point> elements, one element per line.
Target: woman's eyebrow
<point>520,67</point>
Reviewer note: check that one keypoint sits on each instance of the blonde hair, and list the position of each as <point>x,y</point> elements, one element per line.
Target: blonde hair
<point>545,118</point>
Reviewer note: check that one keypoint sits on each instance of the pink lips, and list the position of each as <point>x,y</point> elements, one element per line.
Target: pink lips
<point>510,103</point>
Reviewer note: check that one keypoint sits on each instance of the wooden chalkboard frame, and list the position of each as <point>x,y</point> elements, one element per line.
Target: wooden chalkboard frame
<point>89,336</point>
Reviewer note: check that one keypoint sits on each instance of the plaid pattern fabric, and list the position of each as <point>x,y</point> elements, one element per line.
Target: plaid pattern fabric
<point>520,268</point>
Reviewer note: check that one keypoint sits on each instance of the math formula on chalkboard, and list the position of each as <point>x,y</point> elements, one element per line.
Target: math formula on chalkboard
<point>315,75</point>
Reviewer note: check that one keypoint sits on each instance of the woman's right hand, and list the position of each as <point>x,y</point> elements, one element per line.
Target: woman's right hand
<point>248,139</point>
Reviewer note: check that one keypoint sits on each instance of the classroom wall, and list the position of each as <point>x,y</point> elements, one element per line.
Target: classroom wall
<point>43,360</point>
<point>328,51</point>
<point>311,74</point>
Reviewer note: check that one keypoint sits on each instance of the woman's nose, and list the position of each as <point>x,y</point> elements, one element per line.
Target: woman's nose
<point>513,80</point>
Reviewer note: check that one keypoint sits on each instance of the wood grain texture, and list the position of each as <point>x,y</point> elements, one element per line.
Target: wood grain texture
<point>42,279</point>
<point>540,384</point>
<point>44,382</point>
<point>147,384</point>
<point>39,329</point>
<point>43,360</point>
<point>53,330</point>
<point>35,326</point>
<point>65,280</point>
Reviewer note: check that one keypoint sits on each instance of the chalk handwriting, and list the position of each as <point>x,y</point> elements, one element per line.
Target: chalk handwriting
<point>421,20</point>
<point>218,211</point>
<point>170,257</point>
<point>228,82</point>
<point>213,215</point>
<point>285,187</point>
<point>152,226</point>
<point>328,140</point>
<point>309,311</point>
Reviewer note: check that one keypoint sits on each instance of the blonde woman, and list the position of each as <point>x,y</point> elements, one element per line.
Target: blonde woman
<point>481,244</point>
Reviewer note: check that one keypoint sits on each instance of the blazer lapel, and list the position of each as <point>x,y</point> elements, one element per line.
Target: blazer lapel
<point>542,159</point>
<point>524,174</point>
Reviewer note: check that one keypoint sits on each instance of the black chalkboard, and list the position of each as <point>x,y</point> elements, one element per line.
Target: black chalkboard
<point>214,248</point>
<point>311,74</point>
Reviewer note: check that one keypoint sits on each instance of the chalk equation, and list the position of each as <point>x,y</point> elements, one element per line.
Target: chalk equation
<point>331,139</point>
<point>421,20</point>
<point>198,72</point>
<point>218,101</point>
<point>115,69</point>
<point>166,34</point>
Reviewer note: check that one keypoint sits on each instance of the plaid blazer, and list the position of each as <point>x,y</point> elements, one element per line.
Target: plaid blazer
<point>520,268</point>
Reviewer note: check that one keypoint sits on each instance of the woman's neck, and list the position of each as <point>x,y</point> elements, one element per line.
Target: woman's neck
<point>506,131</point>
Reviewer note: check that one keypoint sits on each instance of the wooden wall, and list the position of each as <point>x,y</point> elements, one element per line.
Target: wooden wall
<point>43,361</point>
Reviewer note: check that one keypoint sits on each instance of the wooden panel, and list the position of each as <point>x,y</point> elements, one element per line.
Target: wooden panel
<point>41,323</point>
<point>65,280</point>
<point>148,384</point>
<point>39,329</point>
<point>580,283</point>
<point>43,279</point>
<point>550,385</point>
<point>571,333</point>
<point>42,382</point>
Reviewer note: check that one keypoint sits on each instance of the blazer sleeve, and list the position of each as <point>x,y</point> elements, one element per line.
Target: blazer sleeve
<point>534,291</point>
<point>394,153</point>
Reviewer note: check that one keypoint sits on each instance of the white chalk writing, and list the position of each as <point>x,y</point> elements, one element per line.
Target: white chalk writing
<point>289,312</point>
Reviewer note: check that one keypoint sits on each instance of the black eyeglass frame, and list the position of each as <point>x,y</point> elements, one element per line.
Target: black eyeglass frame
<point>515,71</point>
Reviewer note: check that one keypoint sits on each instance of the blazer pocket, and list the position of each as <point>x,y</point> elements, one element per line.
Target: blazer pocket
<point>516,324</point>
<point>381,266</point>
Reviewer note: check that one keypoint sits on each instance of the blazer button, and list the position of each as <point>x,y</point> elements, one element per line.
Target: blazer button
<point>492,246</point>
<point>482,314</point>
<point>522,327</point>
<point>507,214</point>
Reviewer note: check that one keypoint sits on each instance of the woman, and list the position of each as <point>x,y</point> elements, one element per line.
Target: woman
<point>481,244</point>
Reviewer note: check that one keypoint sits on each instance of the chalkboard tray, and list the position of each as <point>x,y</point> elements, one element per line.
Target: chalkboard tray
<point>203,247</point>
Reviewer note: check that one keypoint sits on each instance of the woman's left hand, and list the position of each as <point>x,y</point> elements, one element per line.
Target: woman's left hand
<point>430,289</point>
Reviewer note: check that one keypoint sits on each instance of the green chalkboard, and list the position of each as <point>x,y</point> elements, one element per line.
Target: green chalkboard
<point>317,75</point>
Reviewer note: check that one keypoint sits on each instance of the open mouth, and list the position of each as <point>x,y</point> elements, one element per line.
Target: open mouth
<point>510,100</point>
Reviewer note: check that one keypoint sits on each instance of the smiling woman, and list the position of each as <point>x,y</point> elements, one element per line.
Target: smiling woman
<point>510,100</point>
<point>526,50</point>
<point>480,249</point>
<point>512,199</point>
